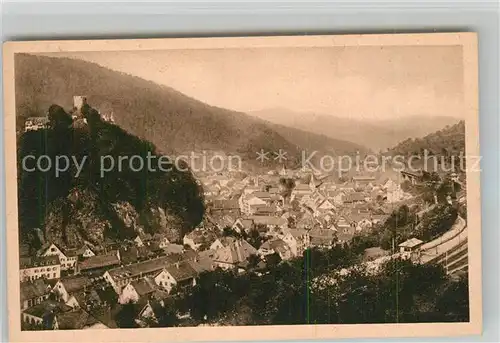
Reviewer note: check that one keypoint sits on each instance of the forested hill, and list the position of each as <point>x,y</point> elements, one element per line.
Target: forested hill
<point>171,120</point>
<point>92,206</point>
<point>449,141</point>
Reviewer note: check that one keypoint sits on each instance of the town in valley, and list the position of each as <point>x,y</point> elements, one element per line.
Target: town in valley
<point>275,244</point>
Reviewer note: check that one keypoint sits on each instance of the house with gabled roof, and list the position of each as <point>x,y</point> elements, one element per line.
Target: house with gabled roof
<point>66,286</point>
<point>149,312</point>
<point>97,295</point>
<point>235,255</point>
<point>222,242</point>
<point>99,263</point>
<point>120,277</point>
<point>203,263</point>
<point>181,274</point>
<point>326,205</point>
<point>277,246</point>
<point>80,253</point>
<point>137,289</point>
<point>200,239</point>
<point>221,222</point>
<point>410,245</point>
<point>243,225</point>
<point>67,258</point>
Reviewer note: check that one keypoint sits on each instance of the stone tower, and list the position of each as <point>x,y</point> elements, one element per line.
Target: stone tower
<point>79,101</point>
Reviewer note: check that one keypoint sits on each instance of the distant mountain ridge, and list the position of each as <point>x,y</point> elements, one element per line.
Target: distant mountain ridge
<point>169,119</point>
<point>381,134</point>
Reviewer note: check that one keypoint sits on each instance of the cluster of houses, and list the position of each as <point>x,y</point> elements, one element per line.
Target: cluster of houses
<point>88,289</point>
<point>318,210</point>
<point>256,221</point>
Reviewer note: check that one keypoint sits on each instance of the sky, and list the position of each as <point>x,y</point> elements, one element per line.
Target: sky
<point>353,82</point>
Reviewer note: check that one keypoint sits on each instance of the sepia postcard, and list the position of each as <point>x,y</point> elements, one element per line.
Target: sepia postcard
<point>249,188</point>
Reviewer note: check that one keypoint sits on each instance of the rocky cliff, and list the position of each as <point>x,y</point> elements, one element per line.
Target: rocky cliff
<point>84,204</point>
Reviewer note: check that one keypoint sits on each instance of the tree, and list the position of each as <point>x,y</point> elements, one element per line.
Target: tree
<point>168,316</point>
<point>453,301</point>
<point>380,199</point>
<point>59,119</point>
<point>295,205</point>
<point>287,186</point>
<point>436,222</point>
<point>229,232</point>
<point>273,260</point>
<point>254,238</point>
<point>125,318</point>
<point>253,261</point>
<point>215,293</point>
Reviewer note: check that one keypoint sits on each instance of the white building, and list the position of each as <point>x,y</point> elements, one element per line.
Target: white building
<point>36,123</point>
<point>67,259</point>
<point>47,267</point>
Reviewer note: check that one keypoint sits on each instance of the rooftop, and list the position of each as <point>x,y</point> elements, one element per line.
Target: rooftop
<point>146,267</point>
<point>73,320</point>
<point>31,262</point>
<point>34,289</point>
<point>410,243</point>
<point>144,286</point>
<point>268,220</point>
<point>182,271</point>
<point>75,283</point>
<point>100,261</point>
<point>235,253</point>
<point>46,307</point>
<point>226,204</point>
